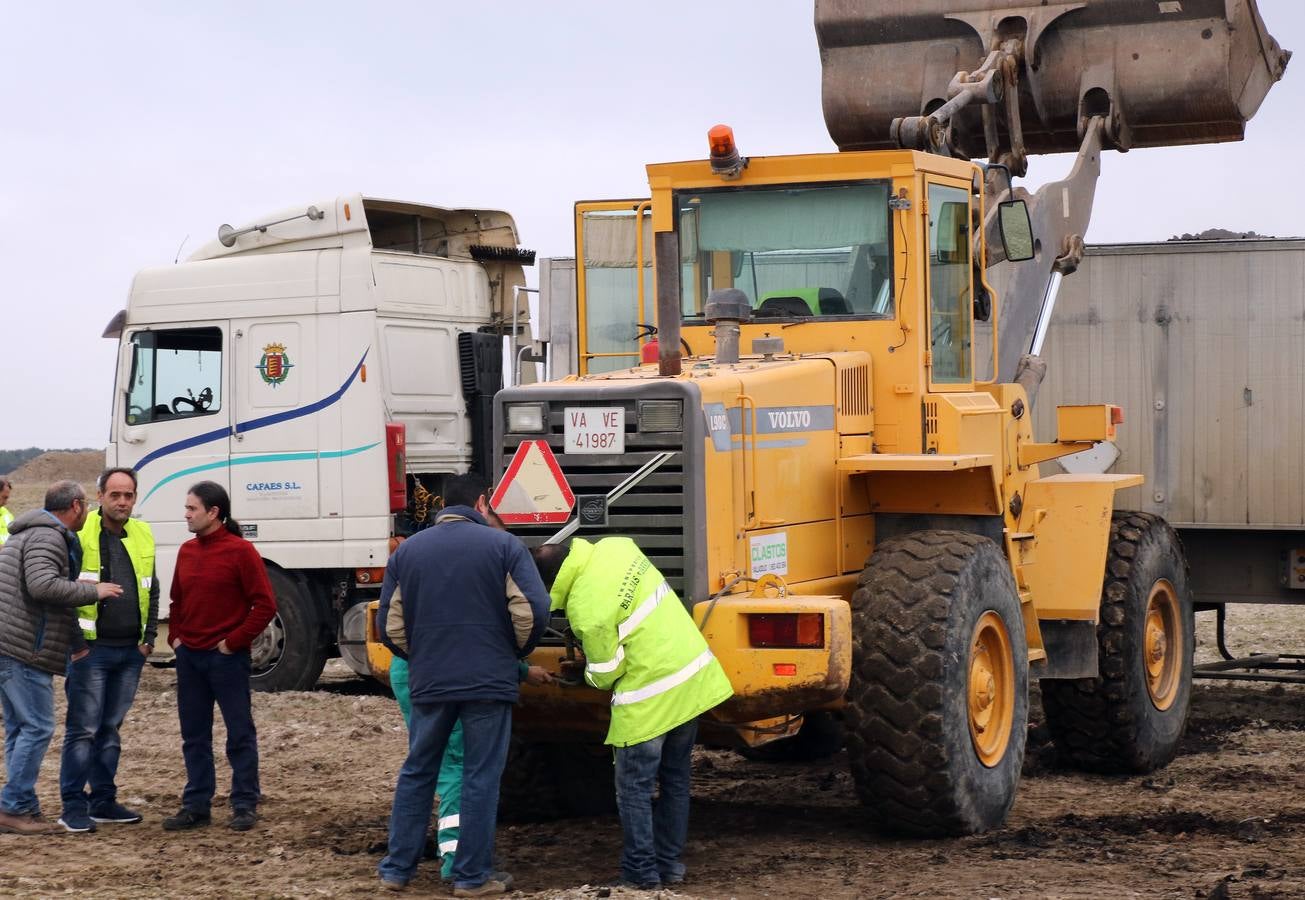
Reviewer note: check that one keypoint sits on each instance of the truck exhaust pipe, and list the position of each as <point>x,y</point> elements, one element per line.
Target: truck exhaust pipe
<point>727,308</point>
<point>666,257</point>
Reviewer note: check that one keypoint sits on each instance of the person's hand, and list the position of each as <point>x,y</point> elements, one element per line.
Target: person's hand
<point>538,675</point>
<point>106,590</point>
<point>571,669</point>
<point>81,654</point>
<point>146,649</point>
<point>174,643</point>
<point>223,648</point>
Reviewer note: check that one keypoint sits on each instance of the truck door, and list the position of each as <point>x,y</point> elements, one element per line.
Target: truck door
<point>274,440</point>
<point>614,282</point>
<point>173,420</point>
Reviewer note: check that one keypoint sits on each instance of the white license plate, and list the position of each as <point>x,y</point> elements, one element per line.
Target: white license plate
<point>595,429</point>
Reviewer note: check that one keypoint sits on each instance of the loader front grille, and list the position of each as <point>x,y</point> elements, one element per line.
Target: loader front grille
<point>657,514</point>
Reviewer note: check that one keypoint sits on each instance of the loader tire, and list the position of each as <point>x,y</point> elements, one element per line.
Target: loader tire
<point>290,654</point>
<point>547,782</point>
<point>1131,717</point>
<point>820,737</point>
<point>938,702</point>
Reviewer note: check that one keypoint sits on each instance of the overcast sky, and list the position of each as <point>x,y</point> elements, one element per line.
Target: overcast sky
<point>130,128</point>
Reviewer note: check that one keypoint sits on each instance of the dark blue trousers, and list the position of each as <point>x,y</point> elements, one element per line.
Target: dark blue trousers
<point>205,677</point>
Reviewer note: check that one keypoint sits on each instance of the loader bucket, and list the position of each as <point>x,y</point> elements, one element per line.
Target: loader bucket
<point>1165,72</point>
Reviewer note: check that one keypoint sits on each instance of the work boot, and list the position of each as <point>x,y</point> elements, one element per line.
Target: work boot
<point>185,819</point>
<point>25,824</point>
<point>242,820</point>
<point>498,883</point>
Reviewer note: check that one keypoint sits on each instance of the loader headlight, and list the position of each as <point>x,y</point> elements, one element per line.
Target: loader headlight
<point>525,417</point>
<point>661,415</point>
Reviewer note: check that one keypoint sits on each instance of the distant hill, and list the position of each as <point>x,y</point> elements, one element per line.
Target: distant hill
<point>38,473</point>
<point>1222,234</point>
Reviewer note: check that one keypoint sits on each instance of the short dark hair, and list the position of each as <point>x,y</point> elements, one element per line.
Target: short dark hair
<point>62,494</point>
<point>548,559</point>
<point>465,490</point>
<point>116,470</point>
<point>5,483</point>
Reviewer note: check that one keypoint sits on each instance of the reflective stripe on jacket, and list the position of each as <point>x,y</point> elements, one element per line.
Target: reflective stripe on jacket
<point>138,540</point>
<point>639,640</point>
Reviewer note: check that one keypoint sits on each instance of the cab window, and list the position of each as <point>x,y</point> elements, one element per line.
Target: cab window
<point>175,374</point>
<point>950,295</point>
<point>819,252</point>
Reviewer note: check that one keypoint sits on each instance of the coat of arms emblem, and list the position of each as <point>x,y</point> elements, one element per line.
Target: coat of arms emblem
<point>274,365</point>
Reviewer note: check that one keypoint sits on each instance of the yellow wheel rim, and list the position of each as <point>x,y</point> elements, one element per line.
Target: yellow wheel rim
<point>1162,644</point>
<point>990,693</point>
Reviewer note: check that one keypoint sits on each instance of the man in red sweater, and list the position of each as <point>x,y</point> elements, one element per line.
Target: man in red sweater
<point>221,601</point>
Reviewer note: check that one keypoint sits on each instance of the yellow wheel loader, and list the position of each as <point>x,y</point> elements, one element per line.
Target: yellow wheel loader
<point>832,458</point>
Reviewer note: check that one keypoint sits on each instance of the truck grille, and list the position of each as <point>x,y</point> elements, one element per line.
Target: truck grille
<point>656,514</point>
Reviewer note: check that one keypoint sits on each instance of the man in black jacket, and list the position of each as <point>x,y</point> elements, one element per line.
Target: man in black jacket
<point>38,629</point>
<point>472,606</point>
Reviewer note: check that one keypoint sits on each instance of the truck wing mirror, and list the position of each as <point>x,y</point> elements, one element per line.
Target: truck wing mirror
<point>1016,230</point>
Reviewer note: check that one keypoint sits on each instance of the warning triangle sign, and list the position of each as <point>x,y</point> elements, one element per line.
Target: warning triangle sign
<point>533,490</point>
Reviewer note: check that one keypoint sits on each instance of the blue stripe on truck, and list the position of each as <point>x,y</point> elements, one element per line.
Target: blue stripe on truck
<point>267,457</point>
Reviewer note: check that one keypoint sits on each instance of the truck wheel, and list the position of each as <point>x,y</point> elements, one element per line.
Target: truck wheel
<point>289,654</point>
<point>545,782</point>
<point>938,704</point>
<point>1131,717</point>
<point>820,737</point>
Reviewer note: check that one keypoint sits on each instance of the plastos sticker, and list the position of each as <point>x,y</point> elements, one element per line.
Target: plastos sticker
<point>769,554</point>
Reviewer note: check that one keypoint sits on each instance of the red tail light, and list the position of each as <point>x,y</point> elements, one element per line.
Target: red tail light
<point>396,456</point>
<point>786,630</point>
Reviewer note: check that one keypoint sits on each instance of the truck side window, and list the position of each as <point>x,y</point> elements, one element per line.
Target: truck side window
<point>949,284</point>
<point>175,374</point>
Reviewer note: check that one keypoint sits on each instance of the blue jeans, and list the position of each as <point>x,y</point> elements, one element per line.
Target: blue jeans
<point>486,728</point>
<point>27,700</point>
<point>654,833</point>
<point>100,688</point>
<point>203,678</point>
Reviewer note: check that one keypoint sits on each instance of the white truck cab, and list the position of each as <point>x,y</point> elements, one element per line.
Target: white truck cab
<point>329,365</point>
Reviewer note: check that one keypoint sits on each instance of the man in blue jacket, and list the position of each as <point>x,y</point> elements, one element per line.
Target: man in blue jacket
<point>472,605</point>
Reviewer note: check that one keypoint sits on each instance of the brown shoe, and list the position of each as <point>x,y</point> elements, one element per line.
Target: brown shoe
<point>25,824</point>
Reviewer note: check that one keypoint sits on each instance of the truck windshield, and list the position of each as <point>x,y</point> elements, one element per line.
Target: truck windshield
<point>797,252</point>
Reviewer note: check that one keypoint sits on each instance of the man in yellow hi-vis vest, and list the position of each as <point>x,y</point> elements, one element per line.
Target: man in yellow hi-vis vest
<point>120,632</point>
<point>642,645</point>
<point>6,517</point>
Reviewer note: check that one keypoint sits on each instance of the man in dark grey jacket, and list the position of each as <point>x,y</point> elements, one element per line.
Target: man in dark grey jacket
<point>38,630</point>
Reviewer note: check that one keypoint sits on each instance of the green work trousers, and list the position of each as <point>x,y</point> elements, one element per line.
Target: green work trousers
<point>449,784</point>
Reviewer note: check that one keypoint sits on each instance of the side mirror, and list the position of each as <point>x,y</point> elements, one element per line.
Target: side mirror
<point>1016,230</point>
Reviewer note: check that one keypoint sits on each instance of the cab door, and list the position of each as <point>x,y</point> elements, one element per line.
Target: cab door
<point>614,282</point>
<point>951,292</point>
<point>172,421</point>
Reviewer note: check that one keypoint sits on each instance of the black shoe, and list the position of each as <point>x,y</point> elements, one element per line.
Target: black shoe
<point>186,818</point>
<point>242,820</point>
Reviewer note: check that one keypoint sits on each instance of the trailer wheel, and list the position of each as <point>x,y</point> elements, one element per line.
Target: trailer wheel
<point>938,704</point>
<point>1130,718</point>
<point>546,782</point>
<point>289,654</point>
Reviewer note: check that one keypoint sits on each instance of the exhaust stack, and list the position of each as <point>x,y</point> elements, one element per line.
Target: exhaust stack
<point>727,308</point>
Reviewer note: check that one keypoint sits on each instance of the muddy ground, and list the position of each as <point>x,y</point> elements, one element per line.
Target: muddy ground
<point>1227,819</point>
